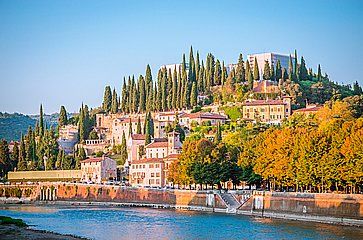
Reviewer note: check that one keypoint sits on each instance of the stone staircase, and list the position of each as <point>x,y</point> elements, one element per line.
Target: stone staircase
<point>230,201</point>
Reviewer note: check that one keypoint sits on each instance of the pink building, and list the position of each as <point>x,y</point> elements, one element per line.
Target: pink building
<point>152,170</point>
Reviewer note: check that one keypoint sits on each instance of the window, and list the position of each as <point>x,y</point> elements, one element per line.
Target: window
<point>157,174</point>
<point>151,166</point>
<point>157,181</point>
<point>152,175</point>
<point>157,165</point>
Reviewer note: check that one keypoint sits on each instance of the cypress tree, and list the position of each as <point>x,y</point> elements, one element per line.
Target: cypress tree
<point>107,99</point>
<point>191,72</point>
<point>291,70</point>
<point>123,96</point>
<point>81,125</point>
<point>319,73</point>
<point>114,103</point>
<point>174,90</point>
<point>197,67</point>
<point>218,136</point>
<point>62,120</point>
<point>240,70</point>
<point>138,130</point>
<point>295,64</point>
<point>303,73</point>
<point>179,101</point>
<point>201,78</point>
<point>224,74</point>
<point>217,73</point>
<point>256,71</point>
<point>250,81</point>
<point>41,121</point>
<point>194,95</point>
<point>169,91</point>
<point>148,88</point>
<point>142,92</point>
<point>15,155</point>
<point>267,71</point>
<point>22,163</point>
<point>357,90</point>
<point>248,69</point>
<point>272,73</point>
<point>123,148</point>
<point>130,128</point>
<point>278,70</point>
<point>164,90</point>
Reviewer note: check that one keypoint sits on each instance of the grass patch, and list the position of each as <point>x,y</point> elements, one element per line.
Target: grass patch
<point>8,220</point>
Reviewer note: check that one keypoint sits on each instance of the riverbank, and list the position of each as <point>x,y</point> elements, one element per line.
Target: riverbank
<point>11,229</point>
<point>343,209</point>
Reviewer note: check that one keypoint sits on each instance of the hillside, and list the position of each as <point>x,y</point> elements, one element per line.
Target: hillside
<point>12,125</point>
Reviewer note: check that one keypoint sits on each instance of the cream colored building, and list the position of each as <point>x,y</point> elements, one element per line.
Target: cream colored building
<point>200,117</point>
<point>68,138</point>
<point>98,169</point>
<point>267,111</point>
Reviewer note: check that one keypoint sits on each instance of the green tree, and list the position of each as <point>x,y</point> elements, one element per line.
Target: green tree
<point>217,73</point>
<point>303,73</point>
<point>319,73</point>
<point>123,149</point>
<point>194,95</point>
<point>62,120</point>
<point>138,130</point>
<point>256,71</point>
<point>267,71</point>
<point>107,99</point>
<point>5,161</point>
<point>240,70</point>
<point>114,102</point>
<point>41,121</point>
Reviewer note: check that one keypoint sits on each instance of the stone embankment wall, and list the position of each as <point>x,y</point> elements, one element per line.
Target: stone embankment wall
<point>323,204</point>
<point>321,207</point>
<point>117,194</point>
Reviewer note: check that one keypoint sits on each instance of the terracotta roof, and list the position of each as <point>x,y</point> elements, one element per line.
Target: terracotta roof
<point>160,139</point>
<point>308,109</point>
<point>95,159</point>
<point>264,102</point>
<point>206,115</point>
<point>138,136</point>
<point>148,160</point>
<point>172,156</point>
<point>157,145</point>
<point>127,119</point>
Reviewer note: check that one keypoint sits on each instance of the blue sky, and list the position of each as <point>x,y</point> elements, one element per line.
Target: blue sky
<point>65,52</point>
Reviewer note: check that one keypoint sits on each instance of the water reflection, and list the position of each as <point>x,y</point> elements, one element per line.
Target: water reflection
<point>145,223</point>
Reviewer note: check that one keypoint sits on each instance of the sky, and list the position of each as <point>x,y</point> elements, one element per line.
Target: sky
<point>65,52</point>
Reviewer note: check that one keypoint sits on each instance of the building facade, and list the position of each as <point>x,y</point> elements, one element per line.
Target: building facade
<point>98,169</point>
<point>267,111</point>
<point>272,58</point>
<point>152,170</point>
<point>68,138</point>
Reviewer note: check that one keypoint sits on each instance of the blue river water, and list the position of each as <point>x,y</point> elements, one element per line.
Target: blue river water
<point>146,223</point>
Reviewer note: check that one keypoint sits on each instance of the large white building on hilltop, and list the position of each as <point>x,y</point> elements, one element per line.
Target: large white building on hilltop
<point>272,58</point>
<point>171,67</point>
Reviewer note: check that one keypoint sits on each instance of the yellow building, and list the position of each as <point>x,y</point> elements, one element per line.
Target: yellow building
<point>267,111</point>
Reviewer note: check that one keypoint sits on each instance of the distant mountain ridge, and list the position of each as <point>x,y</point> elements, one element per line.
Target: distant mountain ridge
<point>12,125</point>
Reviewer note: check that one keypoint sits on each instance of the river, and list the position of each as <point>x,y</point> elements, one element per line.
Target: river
<point>146,223</point>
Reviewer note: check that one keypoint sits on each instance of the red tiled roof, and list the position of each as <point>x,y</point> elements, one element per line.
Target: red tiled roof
<point>94,159</point>
<point>308,109</point>
<point>172,156</point>
<point>138,136</point>
<point>157,144</point>
<point>206,115</point>
<point>148,160</point>
<point>127,119</point>
<point>264,102</point>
